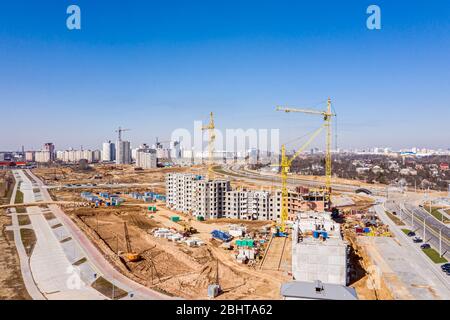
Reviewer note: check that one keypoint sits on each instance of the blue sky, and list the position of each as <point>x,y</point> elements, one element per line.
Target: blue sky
<point>154,66</point>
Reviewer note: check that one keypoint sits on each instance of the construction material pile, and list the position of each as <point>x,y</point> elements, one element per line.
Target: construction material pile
<point>173,235</point>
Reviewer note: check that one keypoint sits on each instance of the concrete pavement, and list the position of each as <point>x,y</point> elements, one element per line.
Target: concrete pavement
<point>94,256</point>
<point>423,265</point>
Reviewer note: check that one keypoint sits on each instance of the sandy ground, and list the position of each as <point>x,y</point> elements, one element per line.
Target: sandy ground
<point>175,268</point>
<point>11,283</point>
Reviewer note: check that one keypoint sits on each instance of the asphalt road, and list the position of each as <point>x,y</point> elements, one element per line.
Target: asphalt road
<point>276,180</point>
<point>407,210</point>
<point>415,216</point>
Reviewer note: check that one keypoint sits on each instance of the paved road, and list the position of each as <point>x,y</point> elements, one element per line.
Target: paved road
<point>27,276</point>
<point>432,225</point>
<point>275,180</point>
<point>93,255</point>
<point>415,217</point>
<point>429,270</point>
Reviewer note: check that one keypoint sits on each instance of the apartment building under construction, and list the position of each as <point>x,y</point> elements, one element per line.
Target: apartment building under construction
<point>193,194</point>
<point>190,193</point>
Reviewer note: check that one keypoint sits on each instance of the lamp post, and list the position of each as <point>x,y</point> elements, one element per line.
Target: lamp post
<point>424,227</point>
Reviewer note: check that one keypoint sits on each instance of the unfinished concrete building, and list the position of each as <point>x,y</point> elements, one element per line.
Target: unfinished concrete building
<point>190,193</point>
<point>180,190</point>
<point>209,198</point>
<point>248,205</point>
<point>318,250</point>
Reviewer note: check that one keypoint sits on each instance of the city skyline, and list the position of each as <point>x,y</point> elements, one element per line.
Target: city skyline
<point>140,66</point>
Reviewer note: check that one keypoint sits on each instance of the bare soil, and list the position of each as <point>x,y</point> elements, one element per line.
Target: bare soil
<point>11,282</point>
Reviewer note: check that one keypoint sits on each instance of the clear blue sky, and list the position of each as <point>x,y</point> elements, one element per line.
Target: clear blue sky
<point>154,66</point>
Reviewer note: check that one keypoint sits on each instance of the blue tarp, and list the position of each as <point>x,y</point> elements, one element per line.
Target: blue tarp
<point>221,235</point>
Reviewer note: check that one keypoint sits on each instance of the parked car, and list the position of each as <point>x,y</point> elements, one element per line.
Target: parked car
<point>417,240</point>
<point>425,246</point>
<point>411,234</point>
<point>446,266</point>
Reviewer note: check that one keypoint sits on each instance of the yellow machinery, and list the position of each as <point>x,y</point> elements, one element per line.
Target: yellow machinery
<point>130,255</point>
<point>212,137</point>
<point>327,115</point>
<point>285,165</point>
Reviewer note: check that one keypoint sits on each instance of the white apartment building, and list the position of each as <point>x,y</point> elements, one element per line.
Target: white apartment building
<point>108,151</point>
<point>29,156</point>
<point>42,156</point>
<point>146,158</point>
<point>75,156</point>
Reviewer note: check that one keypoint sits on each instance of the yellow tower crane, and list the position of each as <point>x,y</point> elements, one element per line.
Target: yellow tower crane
<point>211,138</point>
<point>285,165</point>
<point>327,115</point>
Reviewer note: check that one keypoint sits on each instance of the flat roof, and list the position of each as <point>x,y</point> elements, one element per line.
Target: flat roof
<point>307,290</point>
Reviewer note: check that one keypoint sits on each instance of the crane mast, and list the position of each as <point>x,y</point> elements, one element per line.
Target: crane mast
<point>327,118</point>
<point>211,138</point>
<point>286,163</point>
<point>285,166</point>
<point>119,131</point>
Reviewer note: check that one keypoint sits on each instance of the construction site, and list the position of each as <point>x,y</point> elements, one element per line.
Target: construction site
<point>196,232</point>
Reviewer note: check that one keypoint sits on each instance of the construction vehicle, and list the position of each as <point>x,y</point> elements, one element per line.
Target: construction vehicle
<point>327,116</point>
<point>130,255</point>
<point>211,138</point>
<point>188,231</point>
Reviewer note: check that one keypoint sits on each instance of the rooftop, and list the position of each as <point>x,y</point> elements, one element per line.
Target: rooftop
<point>317,290</point>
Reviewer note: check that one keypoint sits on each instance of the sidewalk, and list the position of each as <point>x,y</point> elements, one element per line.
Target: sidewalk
<point>430,270</point>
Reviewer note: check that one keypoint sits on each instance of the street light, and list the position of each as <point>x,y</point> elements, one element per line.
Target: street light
<point>440,241</point>
<point>424,227</point>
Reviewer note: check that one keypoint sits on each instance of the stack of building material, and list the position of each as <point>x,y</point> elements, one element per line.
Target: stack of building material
<point>236,230</point>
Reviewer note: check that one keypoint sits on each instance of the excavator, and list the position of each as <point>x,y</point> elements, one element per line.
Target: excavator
<point>130,255</point>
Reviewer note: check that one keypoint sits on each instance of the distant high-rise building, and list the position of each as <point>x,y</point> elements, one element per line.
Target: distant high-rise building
<point>175,150</point>
<point>50,147</point>
<point>29,156</point>
<point>42,156</point>
<point>108,151</point>
<point>146,158</point>
<point>123,152</point>
<point>75,156</point>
